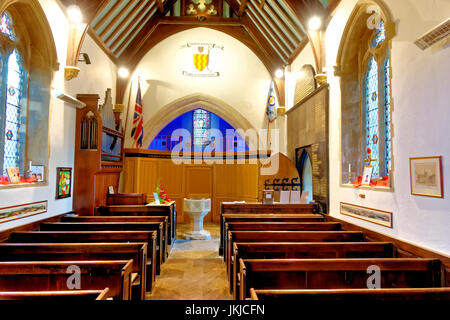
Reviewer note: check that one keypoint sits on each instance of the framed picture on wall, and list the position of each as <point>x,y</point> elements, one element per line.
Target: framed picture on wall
<point>63,182</point>
<point>22,211</point>
<point>426,176</point>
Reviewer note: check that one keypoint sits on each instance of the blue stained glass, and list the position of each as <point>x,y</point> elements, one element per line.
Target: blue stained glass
<point>371,114</point>
<point>12,114</point>
<point>201,124</point>
<point>380,35</point>
<point>6,26</point>
<point>387,115</point>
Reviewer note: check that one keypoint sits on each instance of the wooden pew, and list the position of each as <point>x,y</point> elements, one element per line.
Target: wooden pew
<point>288,236</point>
<point>114,226</point>
<point>116,219</point>
<point>67,295</point>
<point>305,250</point>
<point>280,226</point>
<point>122,199</point>
<point>99,236</point>
<point>336,273</point>
<point>255,217</point>
<point>85,252</point>
<point>54,276</point>
<point>258,207</point>
<point>351,295</point>
<point>168,211</point>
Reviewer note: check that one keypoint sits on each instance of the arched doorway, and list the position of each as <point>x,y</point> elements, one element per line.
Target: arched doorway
<point>304,168</point>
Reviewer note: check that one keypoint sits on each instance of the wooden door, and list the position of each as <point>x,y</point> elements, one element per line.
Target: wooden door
<point>199,183</point>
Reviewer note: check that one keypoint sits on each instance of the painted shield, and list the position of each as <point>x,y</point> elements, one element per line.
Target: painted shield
<point>201,61</point>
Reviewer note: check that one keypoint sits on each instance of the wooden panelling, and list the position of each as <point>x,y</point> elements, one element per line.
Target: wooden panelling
<point>220,182</point>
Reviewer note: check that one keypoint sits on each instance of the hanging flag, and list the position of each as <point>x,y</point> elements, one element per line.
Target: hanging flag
<point>137,133</point>
<point>272,104</point>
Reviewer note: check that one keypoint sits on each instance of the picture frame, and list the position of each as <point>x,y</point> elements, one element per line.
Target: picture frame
<point>37,172</point>
<point>63,182</point>
<point>367,175</point>
<point>426,176</point>
<point>22,211</point>
<point>381,217</point>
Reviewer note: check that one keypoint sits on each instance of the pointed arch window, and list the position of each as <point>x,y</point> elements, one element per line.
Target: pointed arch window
<point>376,104</point>
<point>364,68</point>
<point>13,85</point>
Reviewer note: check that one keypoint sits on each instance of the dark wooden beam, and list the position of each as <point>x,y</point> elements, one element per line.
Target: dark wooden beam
<point>137,8</point>
<point>116,18</point>
<point>242,7</point>
<point>278,21</point>
<point>261,4</point>
<point>89,8</point>
<point>272,29</point>
<point>285,16</point>
<point>132,26</point>
<point>107,15</point>
<point>160,5</point>
<point>297,50</point>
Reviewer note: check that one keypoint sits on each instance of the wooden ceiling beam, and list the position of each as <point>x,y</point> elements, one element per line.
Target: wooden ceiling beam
<point>274,44</point>
<point>160,5</point>
<point>111,24</point>
<point>108,14</point>
<point>273,15</point>
<point>146,31</point>
<point>136,27</point>
<point>261,4</point>
<point>242,7</point>
<point>136,9</point>
<point>268,23</point>
<point>275,5</point>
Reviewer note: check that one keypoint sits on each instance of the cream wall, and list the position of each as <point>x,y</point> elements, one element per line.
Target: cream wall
<point>92,79</point>
<point>420,123</point>
<point>243,82</point>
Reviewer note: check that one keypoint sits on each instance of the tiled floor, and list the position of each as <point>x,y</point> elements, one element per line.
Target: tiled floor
<point>194,270</point>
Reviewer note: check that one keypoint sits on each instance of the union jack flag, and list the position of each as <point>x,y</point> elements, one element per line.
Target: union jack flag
<point>137,133</point>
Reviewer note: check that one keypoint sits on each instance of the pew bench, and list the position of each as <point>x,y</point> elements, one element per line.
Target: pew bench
<point>66,296</point>
<point>258,217</point>
<point>305,250</point>
<point>351,295</point>
<point>94,237</point>
<point>168,211</point>
<point>337,273</point>
<point>116,219</point>
<point>288,236</point>
<point>114,226</point>
<point>55,276</point>
<point>280,226</point>
<point>84,252</point>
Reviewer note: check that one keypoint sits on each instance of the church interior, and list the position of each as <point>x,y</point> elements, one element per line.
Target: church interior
<point>271,150</point>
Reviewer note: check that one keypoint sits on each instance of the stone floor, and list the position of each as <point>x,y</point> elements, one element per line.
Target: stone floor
<point>194,270</point>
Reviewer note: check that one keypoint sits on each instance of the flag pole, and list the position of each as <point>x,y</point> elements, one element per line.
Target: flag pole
<point>128,108</point>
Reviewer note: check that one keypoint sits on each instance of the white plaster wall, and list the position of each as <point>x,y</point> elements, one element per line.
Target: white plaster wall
<point>97,76</point>
<point>420,123</point>
<point>243,82</point>
<point>62,118</point>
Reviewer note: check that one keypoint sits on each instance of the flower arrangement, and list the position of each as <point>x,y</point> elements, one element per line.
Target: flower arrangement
<point>163,198</point>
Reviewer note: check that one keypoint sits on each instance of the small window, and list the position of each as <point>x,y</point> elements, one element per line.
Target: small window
<point>202,126</point>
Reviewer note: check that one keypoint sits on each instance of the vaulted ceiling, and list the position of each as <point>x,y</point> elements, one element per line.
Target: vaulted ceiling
<point>275,30</point>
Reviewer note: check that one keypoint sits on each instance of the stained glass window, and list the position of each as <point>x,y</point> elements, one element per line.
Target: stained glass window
<point>387,116</point>
<point>6,26</point>
<point>12,112</point>
<point>201,125</point>
<point>371,114</point>
<point>380,35</point>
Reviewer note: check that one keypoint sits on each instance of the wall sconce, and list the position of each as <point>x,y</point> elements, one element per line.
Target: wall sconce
<point>77,32</point>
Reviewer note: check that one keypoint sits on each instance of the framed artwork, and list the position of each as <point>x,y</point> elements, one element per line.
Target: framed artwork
<point>367,176</point>
<point>380,217</point>
<point>426,176</point>
<point>63,182</point>
<point>36,172</point>
<point>22,211</point>
<point>13,174</point>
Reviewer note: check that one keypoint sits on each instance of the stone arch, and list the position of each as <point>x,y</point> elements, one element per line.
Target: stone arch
<point>188,103</point>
